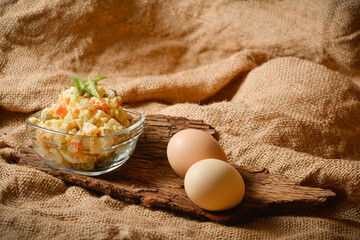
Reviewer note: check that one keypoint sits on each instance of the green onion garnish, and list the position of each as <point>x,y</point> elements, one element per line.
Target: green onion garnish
<point>76,94</point>
<point>82,86</point>
<point>92,87</point>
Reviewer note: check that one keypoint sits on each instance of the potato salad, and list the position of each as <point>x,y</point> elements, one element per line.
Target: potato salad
<point>86,113</point>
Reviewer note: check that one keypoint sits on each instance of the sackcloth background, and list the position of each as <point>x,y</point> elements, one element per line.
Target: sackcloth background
<point>277,79</point>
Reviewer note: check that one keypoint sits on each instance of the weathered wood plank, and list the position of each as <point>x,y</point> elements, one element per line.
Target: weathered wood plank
<point>148,179</point>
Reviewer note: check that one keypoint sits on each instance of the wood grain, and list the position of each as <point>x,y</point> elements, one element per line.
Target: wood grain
<point>148,179</point>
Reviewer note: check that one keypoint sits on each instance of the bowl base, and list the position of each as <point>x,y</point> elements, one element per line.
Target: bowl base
<point>90,173</point>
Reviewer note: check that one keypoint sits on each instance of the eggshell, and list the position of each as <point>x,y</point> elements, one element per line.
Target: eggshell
<point>214,185</point>
<point>190,146</point>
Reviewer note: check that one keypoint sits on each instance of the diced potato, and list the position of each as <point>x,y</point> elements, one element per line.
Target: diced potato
<point>72,124</point>
<point>75,112</point>
<point>106,130</point>
<point>85,159</point>
<point>88,165</point>
<point>113,123</point>
<point>99,124</point>
<point>70,149</point>
<point>79,123</point>
<point>104,119</point>
<point>55,124</point>
<point>66,93</point>
<point>48,124</point>
<point>125,123</point>
<point>118,128</point>
<point>73,131</point>
<point>113,103</point>
<point>68,116</point>
<point>55,155</point>
<point>85,115</point>
<point>64,127</point>
<point>41,124</point>
<point>90,129</point>
<point>46,116</point>
<point>41,149</point>
<point>101,114</point>
<point>68,138</point>
<point>68,158</point>
<point>105,142</point>
<point>109,93</point>
<point>100,90</point>
<point>92,120</point>
<point>59,139</point>
<point>86,104</point>
<point>73,102</point>
<point>77,138</point>
<point>95,147</point>
<point>113,112</point>
<point>33,120</point>
<point>86,142</point>
<point>49,136</point>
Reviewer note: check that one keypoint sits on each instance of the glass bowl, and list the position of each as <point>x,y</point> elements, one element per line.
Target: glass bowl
<point>85,155</point>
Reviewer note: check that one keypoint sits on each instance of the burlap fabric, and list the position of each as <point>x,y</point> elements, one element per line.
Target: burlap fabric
<point>273,78</point>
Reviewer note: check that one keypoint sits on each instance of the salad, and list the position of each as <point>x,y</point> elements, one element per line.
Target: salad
<point>84,115</point>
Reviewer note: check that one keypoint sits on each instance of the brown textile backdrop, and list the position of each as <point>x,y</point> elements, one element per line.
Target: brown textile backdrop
<point>277,79</point>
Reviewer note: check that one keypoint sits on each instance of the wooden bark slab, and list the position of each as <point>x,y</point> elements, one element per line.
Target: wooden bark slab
<point>148,179</point>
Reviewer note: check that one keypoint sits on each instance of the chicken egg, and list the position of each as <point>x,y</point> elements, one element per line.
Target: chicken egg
<point>214,185</point>
<point>190,146</point>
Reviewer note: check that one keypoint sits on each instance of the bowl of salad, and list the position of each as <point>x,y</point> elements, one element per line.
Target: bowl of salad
<point>87,131</point>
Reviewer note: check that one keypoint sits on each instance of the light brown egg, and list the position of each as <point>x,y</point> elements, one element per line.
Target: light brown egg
<point>190,146</point>
<point>214,185</point>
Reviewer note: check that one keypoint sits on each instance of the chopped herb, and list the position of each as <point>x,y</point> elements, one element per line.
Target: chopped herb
<point>76,92</point>
<point>80,83</point>
<point>92,87</point>
<point>82,86</point>
<point>96,80</point>
<point>99,79</point>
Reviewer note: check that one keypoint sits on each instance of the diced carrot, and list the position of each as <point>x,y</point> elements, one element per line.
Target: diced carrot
<point>67,100</point>
<point>61,110</point>
<point>76,145</point>
<point>118,101</point>
<point>101,106</point>
<point>42,136</point>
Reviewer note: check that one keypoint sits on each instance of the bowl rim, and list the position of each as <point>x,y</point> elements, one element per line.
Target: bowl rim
<point>126,130</point>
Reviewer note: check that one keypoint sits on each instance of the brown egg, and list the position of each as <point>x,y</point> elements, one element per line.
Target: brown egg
<point>214,185</point>
<point>190,146</point>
